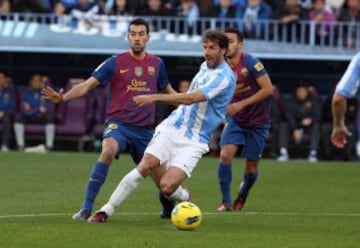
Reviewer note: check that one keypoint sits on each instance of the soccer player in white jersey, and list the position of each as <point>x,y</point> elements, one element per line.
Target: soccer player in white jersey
<point>347,87</point>
<point>182,138</point>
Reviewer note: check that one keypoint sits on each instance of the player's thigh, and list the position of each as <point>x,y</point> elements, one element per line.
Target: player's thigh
<point>255,143</point>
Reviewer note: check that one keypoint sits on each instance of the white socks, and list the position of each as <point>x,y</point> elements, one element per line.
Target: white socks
<point>126,186</point>
<point>180,194</point>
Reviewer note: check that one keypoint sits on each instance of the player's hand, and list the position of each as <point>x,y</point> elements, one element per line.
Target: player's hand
<point>339,136</point>
<point>143,100</point>
<point>53,96</point>
<point>234,108</point>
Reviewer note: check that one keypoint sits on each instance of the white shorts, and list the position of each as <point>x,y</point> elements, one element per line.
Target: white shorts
<point>173,149</point>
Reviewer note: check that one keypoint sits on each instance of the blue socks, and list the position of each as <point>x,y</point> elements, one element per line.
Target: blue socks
<point>248,182</point>
<point>96,180</point>
<point>225,177</point>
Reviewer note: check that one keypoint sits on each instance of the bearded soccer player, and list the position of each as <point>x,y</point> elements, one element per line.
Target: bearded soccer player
<point>248,121</point>
<point>128,125</point>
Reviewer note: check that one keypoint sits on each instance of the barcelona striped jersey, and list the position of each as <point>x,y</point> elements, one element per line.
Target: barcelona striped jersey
<point>129,77</point>
<point>248,70</point>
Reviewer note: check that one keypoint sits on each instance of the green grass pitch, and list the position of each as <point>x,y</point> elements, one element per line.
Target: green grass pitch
<point>293,204</point>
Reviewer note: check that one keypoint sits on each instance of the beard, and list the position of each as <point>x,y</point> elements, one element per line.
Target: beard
<point>137,51</point>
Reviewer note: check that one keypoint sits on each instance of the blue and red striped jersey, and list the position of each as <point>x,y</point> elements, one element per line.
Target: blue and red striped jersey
<point>248,70</point>
<point>129,77</point>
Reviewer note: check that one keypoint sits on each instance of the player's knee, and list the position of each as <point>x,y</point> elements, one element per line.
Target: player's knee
<point>226,157</point>
<point>107,155</point>
<point>167,188</point>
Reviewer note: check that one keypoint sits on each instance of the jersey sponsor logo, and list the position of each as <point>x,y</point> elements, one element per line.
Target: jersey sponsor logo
<point>138,71</point>
<point>138,85</point>
<point>258,66</point>
<point>240,88</point>
<point>123,71</point>
<point>151,70</point>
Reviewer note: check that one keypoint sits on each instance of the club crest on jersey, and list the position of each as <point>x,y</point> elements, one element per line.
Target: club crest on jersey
<point>151,70</point>
<point>138,71</point>
<point>244,71</point>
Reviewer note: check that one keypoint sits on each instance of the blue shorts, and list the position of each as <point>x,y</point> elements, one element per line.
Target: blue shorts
<point>253,140</point>
<point>134,139</point>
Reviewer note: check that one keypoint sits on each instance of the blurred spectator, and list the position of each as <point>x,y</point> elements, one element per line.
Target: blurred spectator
<point>5,6</point>
<point>34,6</point>
<point>335,5</point>
<point>306,4</point>
<point>276,103</point>
<point>327,126</point>
<point>119,7</point>
<point>7,108</point>
<point>275,5</point>
<point>324,19</point>
<point>251,18</point>
<point>85,11</point>
<point>190,10</point>
<point>289,16</point>
<point>224,9</point>
<point>156,8</point>
<point>34,110</point>
<point>350,12</point>
<point>303,117</point>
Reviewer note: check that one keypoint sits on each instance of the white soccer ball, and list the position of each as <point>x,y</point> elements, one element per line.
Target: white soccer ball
<point>186,216</point>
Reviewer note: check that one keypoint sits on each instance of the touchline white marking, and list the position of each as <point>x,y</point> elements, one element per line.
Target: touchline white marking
<point>10,216</point>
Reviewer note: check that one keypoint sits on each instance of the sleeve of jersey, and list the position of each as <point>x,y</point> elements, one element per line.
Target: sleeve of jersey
<point>163,79</point>
<point>105,71</point>
<point>216,84</point>
<point>350,81</point>
<point>255,66</point>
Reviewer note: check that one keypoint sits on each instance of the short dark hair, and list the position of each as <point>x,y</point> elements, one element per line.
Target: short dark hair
<point>218,37</point>
<point>238,33</point>
<point>138,22</point>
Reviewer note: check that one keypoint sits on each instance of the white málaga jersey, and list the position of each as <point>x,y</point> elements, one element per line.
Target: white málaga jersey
<point>198,120</point>
<point>349,84</point>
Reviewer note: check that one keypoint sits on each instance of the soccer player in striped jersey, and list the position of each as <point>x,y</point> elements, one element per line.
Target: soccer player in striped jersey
<point>128,125</point>
<point>347,87</point>
<point>182,138</point>
<point>248,123</point>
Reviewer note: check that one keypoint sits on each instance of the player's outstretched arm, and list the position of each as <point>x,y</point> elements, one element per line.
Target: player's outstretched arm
<point>179,98</point>
<point>75,92</point>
